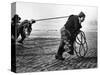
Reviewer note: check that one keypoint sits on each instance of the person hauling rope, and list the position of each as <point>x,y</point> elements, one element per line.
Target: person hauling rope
<point>25,29</point>
<point>69,33</point>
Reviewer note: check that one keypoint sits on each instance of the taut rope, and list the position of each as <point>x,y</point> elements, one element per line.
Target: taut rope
<point>52,18</point>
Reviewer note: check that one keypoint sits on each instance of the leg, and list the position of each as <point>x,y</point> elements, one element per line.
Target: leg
<point>23,35</point>
<point>72,39</point>
<point>60,50</point>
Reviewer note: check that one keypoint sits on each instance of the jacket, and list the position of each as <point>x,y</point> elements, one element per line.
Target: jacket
<point>73,24</point>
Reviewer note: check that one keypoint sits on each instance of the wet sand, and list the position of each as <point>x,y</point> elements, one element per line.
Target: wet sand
<point>38,54</point>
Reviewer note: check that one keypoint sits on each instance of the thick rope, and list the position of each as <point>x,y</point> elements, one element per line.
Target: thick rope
<point>51,18</point>
<point>81,45</point>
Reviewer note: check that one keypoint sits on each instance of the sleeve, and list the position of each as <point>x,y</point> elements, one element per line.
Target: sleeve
<point>25,23</point>
<point>77,25</point>
<point>69,22</point>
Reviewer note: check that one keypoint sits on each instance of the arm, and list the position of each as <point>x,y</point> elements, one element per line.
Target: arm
<point>77,25</point>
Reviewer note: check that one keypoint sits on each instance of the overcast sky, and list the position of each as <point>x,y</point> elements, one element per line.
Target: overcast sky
<point>39,11</point>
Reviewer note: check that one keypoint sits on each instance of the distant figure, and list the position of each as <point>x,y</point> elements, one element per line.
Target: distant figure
<point>14,25</point>
<point>69,33</point>
<point>25,29</point>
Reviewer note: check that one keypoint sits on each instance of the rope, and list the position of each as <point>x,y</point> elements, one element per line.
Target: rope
<point>52,18</point>
<point>82,45</point>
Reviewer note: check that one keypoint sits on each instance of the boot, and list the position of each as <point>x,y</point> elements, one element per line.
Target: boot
<point>59,57</point>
